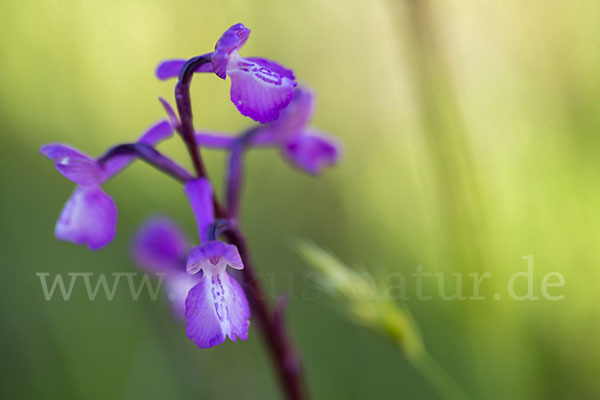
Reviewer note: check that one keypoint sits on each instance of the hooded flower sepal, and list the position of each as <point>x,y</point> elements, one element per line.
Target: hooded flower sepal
<point>216,307</point>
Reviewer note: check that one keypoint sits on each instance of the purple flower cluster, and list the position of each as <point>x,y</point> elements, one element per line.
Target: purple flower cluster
<point>201,287</point>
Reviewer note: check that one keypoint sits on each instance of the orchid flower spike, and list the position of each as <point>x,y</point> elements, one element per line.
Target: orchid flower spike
<point>260,88</point>
<point>90,216</point>
<point>217,306</point>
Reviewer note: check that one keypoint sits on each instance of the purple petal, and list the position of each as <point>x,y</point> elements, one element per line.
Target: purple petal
<point>170,69</point>
<point>213,255</point>
<point>160,246</point>
<point>237,305</point>
<point>258,92</point>
<point>89,217</point>
<point>203,326</point>
<point>170,112</point>
<point>216,140</point>
<point>232,40</point>
<point>178,285</point>
<point>156,133</point>
<point>312,152</point>
<point>199,193</point>
<point>215,308</point>
<point>152,136</point>
<point>292,120</point>
<point>74,165</point>
<point>296,117</point>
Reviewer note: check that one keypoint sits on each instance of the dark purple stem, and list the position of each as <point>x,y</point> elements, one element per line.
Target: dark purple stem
<point>235,173</point>
<point>271,323</point>
<point>184,106</point>
<point>284,356</point>
<point>234,179</point>
<point>151,156</point>
<point>287,362</point>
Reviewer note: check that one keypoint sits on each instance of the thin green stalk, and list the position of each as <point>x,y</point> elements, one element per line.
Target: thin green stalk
<point>438,378</point>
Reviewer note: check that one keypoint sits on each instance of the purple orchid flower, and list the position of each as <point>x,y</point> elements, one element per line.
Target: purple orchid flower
<point>260,88</point>
<point>201,285</point>
<point>217,306</point>
<point>161,247</point>
<point>90,216</point>
<point>305,148</point>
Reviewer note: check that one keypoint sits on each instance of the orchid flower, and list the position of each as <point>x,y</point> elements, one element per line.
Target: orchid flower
<point>199,288</point>
<point>305,148</point>
<point>260,88</point>
<point>90,216</point>
<point>217,306</point>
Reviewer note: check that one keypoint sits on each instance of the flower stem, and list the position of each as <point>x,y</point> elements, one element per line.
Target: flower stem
<point>151,156</point>
<point>235,171</point>
<point>271,324</point>
<point>184,106</point>
<point>234,179</point>
<point>283,354</point>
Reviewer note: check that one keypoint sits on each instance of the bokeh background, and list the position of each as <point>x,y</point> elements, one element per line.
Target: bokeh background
<point>471,140</point>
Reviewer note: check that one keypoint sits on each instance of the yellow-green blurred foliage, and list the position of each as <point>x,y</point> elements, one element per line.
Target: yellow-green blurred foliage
<point>471,140</point>
<point>362,301</point>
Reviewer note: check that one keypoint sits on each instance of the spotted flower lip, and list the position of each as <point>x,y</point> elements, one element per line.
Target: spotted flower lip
<point>216,307</point>
<point>260,88</point>
<point>90,216</point>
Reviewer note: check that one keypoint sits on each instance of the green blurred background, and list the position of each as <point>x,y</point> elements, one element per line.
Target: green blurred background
<point>471,140</point>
